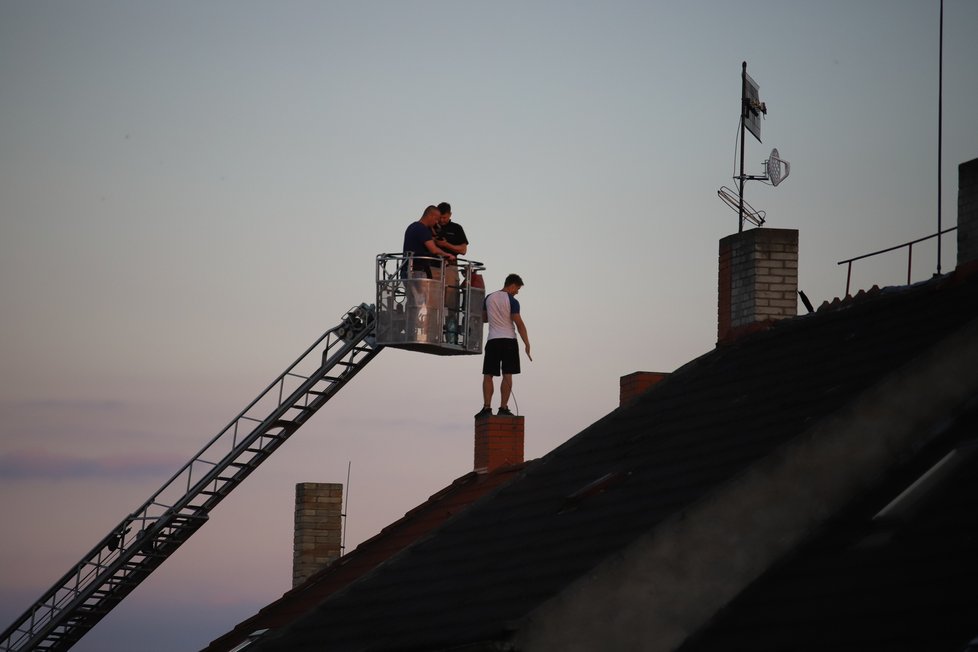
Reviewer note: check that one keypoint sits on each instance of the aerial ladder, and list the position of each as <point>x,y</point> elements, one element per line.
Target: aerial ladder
<point>413,313</point>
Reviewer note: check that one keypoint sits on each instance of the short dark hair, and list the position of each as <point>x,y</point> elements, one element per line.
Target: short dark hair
<point>513,279</point>
<point>444,208</point>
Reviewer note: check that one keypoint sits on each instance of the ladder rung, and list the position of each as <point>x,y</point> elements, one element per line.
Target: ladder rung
<point>219,492</point>
<point>228,485</point>
<point>186,518</point>
<point>285,425</point>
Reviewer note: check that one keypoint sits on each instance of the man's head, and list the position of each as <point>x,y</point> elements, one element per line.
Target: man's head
<point>430,216</point>
<point>445,212</point>
<point>513,283</point>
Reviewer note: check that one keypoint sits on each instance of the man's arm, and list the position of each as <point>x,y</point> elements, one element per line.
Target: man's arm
<point>458,250</point>
<point>433,248</point>
<point>453,231</point>
<point>521,329</point>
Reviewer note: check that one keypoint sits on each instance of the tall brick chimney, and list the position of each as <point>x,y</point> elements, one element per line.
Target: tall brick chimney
<point>968,212</point>
<point>498,442</point>
<point>758,279</point>
<point>318,528</point>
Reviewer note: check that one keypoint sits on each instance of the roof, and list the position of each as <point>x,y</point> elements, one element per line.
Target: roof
<point>875,578</point>
<point>416,524</point>
<point>493,572</point>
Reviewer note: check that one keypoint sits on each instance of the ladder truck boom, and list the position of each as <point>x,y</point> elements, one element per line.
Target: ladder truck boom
<point>145,538</point>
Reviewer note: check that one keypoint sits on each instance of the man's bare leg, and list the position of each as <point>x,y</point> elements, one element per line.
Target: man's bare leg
<point>487,390</point>
<point>505,389</point>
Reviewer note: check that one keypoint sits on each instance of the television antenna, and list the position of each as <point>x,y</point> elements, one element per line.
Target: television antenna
<point>776,169</point>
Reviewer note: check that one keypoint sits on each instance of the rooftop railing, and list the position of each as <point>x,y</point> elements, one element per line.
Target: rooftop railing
<point>908,245</point>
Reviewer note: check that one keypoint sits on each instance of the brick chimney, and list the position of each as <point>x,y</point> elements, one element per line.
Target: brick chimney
<point>498,442</point>
<point>635,384</point>
<point>758,280</point>
<point>318,528</point>
<point>968,212</point>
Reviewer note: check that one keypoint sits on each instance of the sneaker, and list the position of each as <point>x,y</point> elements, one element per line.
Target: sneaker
<point>504,412</point>
<point>484,412</point>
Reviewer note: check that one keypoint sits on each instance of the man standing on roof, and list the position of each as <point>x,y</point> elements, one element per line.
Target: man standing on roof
<point>501,311</point>
<point>420,241</point>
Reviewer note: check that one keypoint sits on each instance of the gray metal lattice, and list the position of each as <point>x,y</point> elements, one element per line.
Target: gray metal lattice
<point>147,536</point>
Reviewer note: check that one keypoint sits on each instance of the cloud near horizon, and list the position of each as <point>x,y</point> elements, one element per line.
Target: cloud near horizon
<point>38,463</point>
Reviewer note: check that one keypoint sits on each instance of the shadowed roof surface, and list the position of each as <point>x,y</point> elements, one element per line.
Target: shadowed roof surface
<point>492,565</point>
<point>417,523</point>
<point>889,583</point>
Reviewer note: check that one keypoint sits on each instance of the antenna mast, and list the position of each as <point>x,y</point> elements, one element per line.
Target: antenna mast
<point>743,113</point>
<point>776,169</point>
<point>750,109</point>
<point>940,129</point>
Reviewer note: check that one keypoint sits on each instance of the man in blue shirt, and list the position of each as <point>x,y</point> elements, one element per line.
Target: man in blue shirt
<point>419,240</point>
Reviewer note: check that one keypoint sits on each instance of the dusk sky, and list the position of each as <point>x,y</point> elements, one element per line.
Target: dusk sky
<point>192,192</point>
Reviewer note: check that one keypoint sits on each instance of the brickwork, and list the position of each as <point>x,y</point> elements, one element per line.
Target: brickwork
<point>498,442</point>
<point>968,212</point>
<point>635,384</point>
<point>318,528</point>
<point>724,284</point>
<point>757,279</point>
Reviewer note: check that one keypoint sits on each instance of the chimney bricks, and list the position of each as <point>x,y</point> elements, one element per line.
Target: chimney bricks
<point>635,384</point>
<point>318,528</point>
<point>757,280</point>
<point>498,442</point>
<point>968,212</point>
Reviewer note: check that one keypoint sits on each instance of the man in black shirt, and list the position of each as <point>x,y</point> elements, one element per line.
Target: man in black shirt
<point>450,236</point>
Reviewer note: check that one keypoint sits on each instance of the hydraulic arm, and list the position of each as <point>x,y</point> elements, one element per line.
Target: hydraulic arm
<point>146,537</point>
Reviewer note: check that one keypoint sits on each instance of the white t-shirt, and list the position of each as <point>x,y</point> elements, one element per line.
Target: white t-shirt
<point>500,308</point>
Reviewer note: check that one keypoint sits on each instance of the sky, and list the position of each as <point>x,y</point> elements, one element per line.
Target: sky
<point>192,192</point>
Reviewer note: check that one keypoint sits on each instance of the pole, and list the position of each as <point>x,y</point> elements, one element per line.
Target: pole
<point>743,118</point>
<point>940,128</point>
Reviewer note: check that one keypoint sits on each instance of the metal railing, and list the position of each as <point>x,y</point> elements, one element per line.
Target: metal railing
<point>908,245</point>
<point>427,307</point>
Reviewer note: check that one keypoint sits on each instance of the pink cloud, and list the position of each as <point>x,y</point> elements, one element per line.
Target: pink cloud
<point>40,463</point>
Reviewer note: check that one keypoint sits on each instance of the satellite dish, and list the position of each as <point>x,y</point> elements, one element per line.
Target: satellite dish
<point>773,166</point>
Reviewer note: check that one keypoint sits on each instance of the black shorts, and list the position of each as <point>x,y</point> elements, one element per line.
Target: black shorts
<point>501,352</point>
